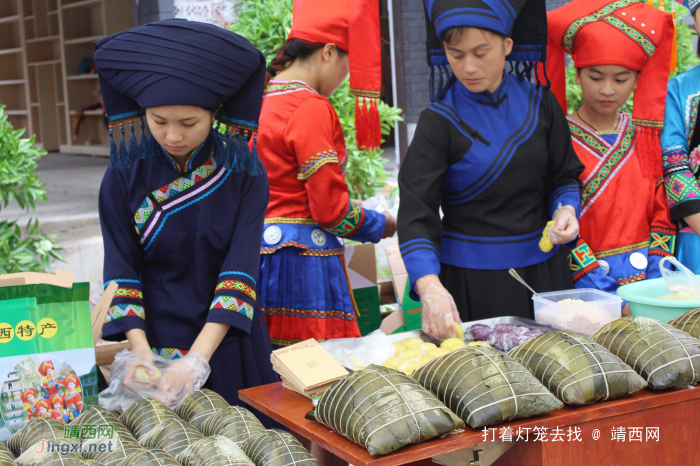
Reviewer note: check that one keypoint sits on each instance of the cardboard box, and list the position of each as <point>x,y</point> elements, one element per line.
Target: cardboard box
<point>46,346</point>
<point>408,317</point>
<point>361,264</point>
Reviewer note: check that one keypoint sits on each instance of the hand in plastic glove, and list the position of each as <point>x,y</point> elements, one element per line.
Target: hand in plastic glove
<point>439,309</point>
<point>183,377</point>
<point>565,228</point>
<point>141,368</point>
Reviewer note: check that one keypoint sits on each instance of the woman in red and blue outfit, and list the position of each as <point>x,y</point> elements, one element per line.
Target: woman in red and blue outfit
<point>303,282</point>
<point>182,212</point>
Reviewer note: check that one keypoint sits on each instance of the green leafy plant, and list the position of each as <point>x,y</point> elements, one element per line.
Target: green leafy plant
<point>686,57</point>
<point>266,23</point>
<point>28,251</point>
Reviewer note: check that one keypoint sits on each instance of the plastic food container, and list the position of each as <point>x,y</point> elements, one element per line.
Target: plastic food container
<point>642,296</point>
<point>585,318</point>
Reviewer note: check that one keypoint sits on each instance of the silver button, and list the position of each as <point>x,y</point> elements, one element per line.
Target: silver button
<point>272,235</point>
<point>605,266</point>
<point>340,241</point>
<point>639,261</point>
<point>318,237</point>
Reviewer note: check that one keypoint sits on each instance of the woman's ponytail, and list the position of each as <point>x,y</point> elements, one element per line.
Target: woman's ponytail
<point>292,49</point>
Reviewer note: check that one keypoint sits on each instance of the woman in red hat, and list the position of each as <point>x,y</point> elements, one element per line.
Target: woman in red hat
<point>42,409</point>
<point>51,384</point>
<point>57,408</point>
<point>28,398</point>
<point>303,282</point>
<point>625,224</point>
<point>73,399</point>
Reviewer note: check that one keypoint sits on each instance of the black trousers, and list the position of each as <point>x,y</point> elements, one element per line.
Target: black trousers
<point>484,294</point>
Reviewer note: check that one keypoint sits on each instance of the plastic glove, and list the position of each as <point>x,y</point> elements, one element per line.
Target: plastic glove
<point>183,377</point>
<point>141,367</point>
<point>439,312</point>
<point>565,228</point>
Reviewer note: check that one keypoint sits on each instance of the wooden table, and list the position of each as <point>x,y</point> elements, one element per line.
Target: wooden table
<point>675,413</point>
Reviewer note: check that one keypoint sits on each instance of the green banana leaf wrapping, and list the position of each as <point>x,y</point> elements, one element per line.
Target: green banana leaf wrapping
<point>383,410</point>
<point>120,449</point>
<point>233,422</point>
<point>577,370</point>
<point>484,386</point>
<point>149,458</point>
<point>49,458</point>
<point>277,448</point>
<point>688,322</point>
<point>173,436</point>
<point>6,456</point>
<point>198,406</point>
<point>144,415</point>
<point>97,416</point>
<point>214,451</point>
<point>663,355</point>
<point>34,431</point>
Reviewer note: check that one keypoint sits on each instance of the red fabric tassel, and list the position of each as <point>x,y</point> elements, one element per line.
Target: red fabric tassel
<point>363,127</point>
<point>376,125</point>
<point>649,152</point>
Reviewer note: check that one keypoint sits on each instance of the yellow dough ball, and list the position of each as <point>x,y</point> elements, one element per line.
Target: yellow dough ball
<point>479,343</point>
<point>450,342</point>
<point>412,344</point>
<point>546,244</point>
<point>425,359</point>
<point>142,375</point>
<point>457,346</point>
<point>414,340</point>
<point>460,332</point>
<point>437,352</point>
<point>412,353</point>
<point>425,347</point>
<point>399,347</point>
<point>394,362</point>
<point>408,367</point>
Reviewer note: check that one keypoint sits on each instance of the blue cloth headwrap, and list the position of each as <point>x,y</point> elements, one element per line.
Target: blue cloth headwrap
<point>525,21</point>
<point>180,62</point>
<point>692,5</point>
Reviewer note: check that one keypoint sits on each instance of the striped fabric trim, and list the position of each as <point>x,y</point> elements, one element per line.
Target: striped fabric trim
<point>124,310</point>
<point>631,279</point>
<point>242,274</point>
<point>235,285</point>
<point>283,245</point>
<point>170,353</point>
<point>315,162</point>
<point>622,250</point>
<point>233,304</point>
<point>323,252</point>
<point>279,87</point>
<point>128,293</point>
<point>308,314</point>
<point>290,220</point>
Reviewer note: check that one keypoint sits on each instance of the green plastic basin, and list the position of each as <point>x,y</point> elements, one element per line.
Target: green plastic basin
<point>642,296</point>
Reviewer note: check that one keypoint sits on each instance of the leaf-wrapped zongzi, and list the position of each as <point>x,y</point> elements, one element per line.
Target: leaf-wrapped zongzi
<point>95,415</point>
<point>116,453</point>
<point>576,369</point>
<point>689,322</point>
<point>214,451</point>
<point>485,387</point>
<point>101,418</point>
<point>198,406</point>
<point>172,435</point>
<point>277,448</point>
<point>6,456</point>
<point>232,422</point>
<point>49,457</point>
<point>34,431</point>
<point>383,410</point>
<point>144,415</point>
<point>149,458</point>
<point>663,355</point>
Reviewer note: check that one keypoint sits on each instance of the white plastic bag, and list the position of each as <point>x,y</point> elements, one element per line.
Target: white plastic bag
<point>355,353</point>
<point>167,380</point>
<point>683,283</point>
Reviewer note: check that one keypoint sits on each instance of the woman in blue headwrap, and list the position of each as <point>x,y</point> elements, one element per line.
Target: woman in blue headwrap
<point>680,142</point>
<point>182,210</point>
<point>493,152</point>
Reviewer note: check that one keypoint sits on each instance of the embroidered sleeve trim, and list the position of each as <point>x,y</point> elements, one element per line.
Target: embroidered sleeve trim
<point>128,293</point>
<point>314,164</point>
<point>233,304</point>
<point>631,279</point>
<point>681,186</point>
<point>622,250</point>
<point>662,242</point>
<point>242,274</point>
<point>581,261</point>
<point>124,310</point>
<point>348,222</point>
<point>675,160</point>
<point>235,285</point>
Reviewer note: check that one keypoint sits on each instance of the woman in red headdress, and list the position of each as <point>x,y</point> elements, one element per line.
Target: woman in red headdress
<point>50,383</point>
<point>42,409</point>
<point>304,287</point>
<point>625,223</point>
<point>73,400</point>
<point>28,398</point>
<point>57,408</point>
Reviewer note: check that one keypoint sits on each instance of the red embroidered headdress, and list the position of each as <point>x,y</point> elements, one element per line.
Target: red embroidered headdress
<point>44,367</point>
<point>353,26</point>
<point>628,33</point>
<point>26,393</point>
